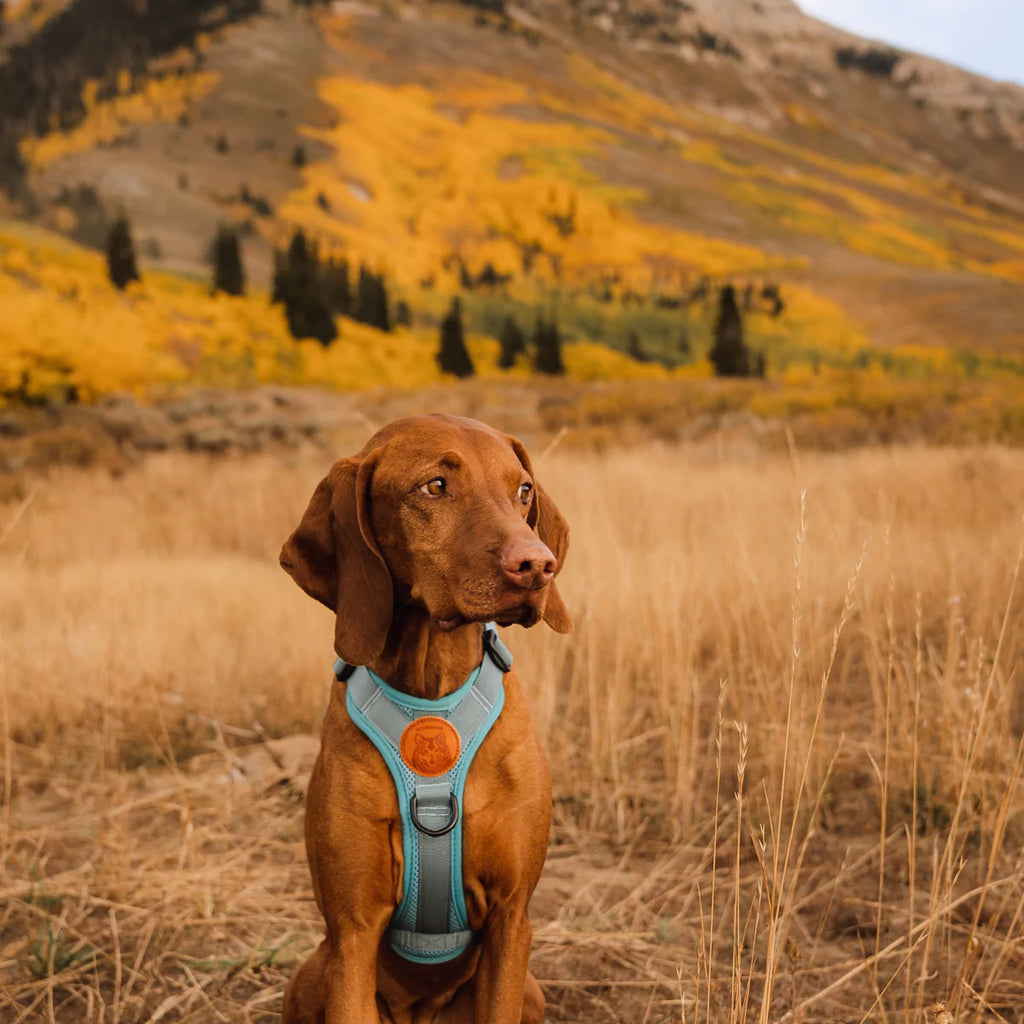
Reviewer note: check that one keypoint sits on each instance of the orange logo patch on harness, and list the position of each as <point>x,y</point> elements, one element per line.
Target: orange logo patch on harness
<point>430,746</point>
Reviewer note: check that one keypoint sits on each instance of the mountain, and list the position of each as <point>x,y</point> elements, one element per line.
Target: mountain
<point>637,154</point>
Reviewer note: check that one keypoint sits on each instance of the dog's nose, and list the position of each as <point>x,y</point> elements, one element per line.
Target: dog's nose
<point>528,563</point>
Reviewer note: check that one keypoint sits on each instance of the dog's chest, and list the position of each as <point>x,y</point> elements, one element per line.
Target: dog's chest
<point>438,754</point>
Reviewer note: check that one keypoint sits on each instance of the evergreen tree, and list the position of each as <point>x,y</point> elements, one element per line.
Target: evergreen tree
<point>298,265</point>
<point>364,295</point>
<point>684,345</point>
<point>490,278</point>
<point>337,287</point>
<point>512,341</point>
<point>298,284</point>
<point>279,282</point>
<point>635,349</point>
<point>771,294</point>
<point>453,356</point>
<point>729,354</point>
<point>547,347</point>
<point>372,300</point>
<point>383,316</point>
<point>121,265</point>
<point>228,273</point>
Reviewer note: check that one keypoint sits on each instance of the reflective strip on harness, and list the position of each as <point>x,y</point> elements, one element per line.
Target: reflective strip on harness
<point>428,746</point>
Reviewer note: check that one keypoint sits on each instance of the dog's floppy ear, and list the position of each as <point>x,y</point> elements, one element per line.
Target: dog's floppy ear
<point>554,531</point>
<point>551,527</point>
<point>333,556</point>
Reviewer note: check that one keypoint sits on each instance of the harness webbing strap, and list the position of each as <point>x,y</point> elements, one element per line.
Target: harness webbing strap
<point>431,924</point>
<point>434,810</point>
<point>451,943</point>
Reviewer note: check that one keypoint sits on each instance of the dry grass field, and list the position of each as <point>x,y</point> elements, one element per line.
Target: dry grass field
<point>785,738</point>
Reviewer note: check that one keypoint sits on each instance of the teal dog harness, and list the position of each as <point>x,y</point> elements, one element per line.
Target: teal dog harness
<point>429,745</point>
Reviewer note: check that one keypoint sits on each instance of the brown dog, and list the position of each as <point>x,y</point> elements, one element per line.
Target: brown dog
<point>436,526</point>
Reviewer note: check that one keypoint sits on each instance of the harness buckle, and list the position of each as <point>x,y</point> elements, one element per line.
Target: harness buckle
<point>445,829</point>
<point>343,671</point>
<point>498,652</point>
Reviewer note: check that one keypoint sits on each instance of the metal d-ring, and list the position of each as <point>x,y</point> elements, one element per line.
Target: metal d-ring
<point>413,811</point>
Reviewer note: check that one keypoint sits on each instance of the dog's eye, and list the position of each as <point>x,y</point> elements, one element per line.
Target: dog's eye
<point>436,487</point>
<point>525,492</point>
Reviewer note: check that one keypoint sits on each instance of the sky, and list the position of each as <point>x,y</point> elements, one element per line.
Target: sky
<point>986,36</point>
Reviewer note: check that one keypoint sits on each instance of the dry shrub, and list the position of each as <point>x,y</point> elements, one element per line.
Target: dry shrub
<point>784,735</point>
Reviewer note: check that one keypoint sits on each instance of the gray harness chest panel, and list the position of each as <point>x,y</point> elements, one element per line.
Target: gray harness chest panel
<point>428,746</point>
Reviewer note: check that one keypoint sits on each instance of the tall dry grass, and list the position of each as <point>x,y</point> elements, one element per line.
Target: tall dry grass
<point>785,734</point>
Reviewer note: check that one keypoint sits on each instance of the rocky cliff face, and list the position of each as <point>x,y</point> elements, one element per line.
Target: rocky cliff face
<point>761,40</point>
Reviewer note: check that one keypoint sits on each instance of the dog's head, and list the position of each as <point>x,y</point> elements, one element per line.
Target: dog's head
<point>439,511</point>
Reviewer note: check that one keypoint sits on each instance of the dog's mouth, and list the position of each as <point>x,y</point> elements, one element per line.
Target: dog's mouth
<point>523,614</point>
<point>447,625</point>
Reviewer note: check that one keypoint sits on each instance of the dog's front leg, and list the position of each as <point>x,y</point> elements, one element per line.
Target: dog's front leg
<point>350,975</point>
<point>354,865</point>
<point>504,962</point>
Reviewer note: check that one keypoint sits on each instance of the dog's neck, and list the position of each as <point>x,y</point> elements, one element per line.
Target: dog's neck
<point>422,660</point>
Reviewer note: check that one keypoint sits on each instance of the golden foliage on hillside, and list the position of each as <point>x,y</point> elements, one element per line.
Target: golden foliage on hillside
<point>36,12</point>
<point>422,180</point>
<point>67,331</point>
<point>107,120</point>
